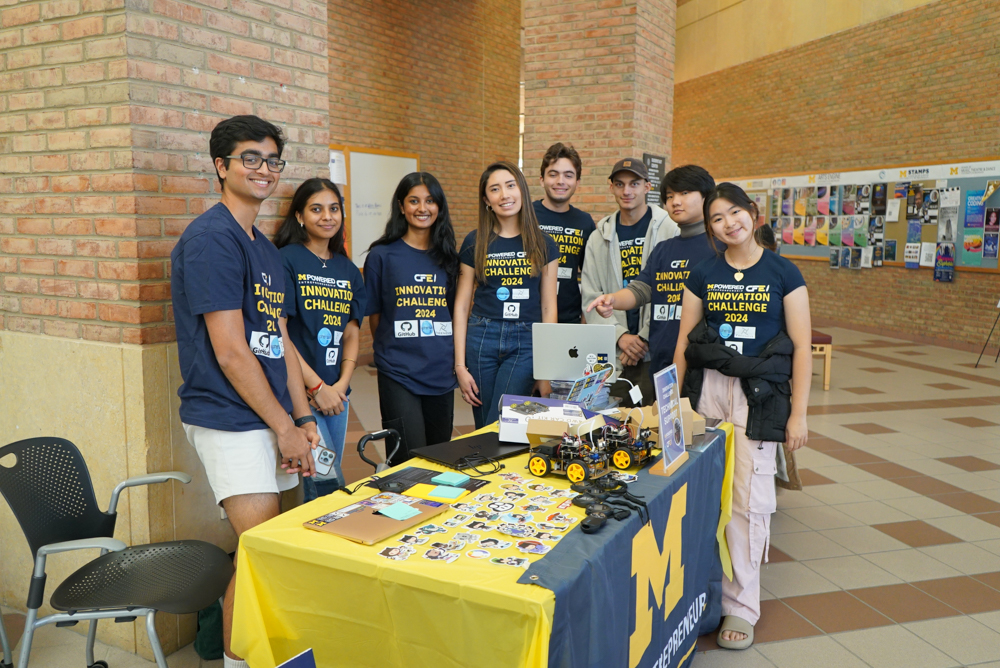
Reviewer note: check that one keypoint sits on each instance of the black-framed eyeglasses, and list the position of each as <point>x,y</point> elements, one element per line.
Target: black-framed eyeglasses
<point>252,161</point>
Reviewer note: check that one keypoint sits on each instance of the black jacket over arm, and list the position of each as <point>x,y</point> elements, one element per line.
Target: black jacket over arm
<point>765,379</point>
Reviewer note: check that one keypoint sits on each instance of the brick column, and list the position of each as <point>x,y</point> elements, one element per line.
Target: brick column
<point>105,112</point>
<point>598,75</point>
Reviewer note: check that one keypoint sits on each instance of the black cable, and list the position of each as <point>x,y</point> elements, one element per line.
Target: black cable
<point>475,461</point>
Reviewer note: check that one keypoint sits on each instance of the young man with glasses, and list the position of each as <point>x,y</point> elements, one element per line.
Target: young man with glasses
<point>243,402</point>
<point>615,255</point>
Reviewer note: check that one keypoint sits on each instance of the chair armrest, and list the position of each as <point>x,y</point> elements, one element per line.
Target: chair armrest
<point>150,479</point>
<point>109,544</point>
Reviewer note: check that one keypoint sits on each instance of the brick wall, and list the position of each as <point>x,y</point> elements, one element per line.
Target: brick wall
<point>598,75</point>
<point>915,88</point>
<point>438,79</point>
<point>893,301</point>
<point>105,114</point>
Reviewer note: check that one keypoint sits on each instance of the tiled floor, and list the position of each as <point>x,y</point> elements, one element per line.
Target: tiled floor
<point>889,556</point>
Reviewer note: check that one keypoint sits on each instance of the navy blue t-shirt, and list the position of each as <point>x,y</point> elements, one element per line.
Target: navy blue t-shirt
<point>631,241</point>
<point>216,266</point>
<point>319,302</point>
<point>748,313</point>
<point>413,343</point>
<point>510,293</point>
<point>668,266</point>
<point>570,230</point>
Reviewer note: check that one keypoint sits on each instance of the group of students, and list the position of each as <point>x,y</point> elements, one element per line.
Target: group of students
<point>269,335</point>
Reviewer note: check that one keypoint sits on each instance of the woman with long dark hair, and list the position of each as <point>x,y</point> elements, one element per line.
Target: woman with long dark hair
<point>744,352</point>
<point>410,273</point>
<point>512,267</point>
<point>324,304</point>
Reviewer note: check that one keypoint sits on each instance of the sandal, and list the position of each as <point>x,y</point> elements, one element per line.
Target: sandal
<point>739,625</point>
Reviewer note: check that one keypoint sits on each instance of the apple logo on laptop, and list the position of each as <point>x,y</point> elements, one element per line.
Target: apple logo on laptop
<point>573,352</point>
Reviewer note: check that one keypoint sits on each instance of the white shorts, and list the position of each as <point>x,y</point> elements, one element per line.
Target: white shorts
<point>240,462</point>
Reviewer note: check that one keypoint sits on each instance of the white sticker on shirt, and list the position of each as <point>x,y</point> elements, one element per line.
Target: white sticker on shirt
<point>336,338</point>
<point>264,344</point>
<point>746,332</point>
<point>677,313</point>
<point>673,310</point>
<point>442,328</point>
<point>565,272</point>
<point>735,345</point>
<point>331,356</point>
<point>426,328</point>
<point>661,312</point>
<point>406,329</point>
<point>520,293</point>
<point>511,311</point>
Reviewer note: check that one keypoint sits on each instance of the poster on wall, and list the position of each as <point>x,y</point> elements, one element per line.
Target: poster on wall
<point>944,263</point>
<point>879,198</point>
<point>972,247</point>
<point>801,197</point>
<point>834,230</point>
<point>834,200</point>
<point>860,227</point>
<point>848,200</point>
<point>892,210</point>
<point>812,201</point>
<point>856,258</point>
<point>823,200</point>
<point>930,205</point>
<point>876,230</point>
<point>901,189</point>
<point>911,252</point>
<point>974,209</point>
<point>878,254</point>
<point>864,200</point>
<point>927,251</point>
<point>787,231</point>
<point>760,199</point>
<point>889,254</point>
<point>867,255</point>
<point>914,200</point>
<point>991,221</point>
<point>787,201</point>
<point>798,232</point>
<point>847,230</point>
<point>656,165</point>
<point>834,258</point>
<point>990,242</point>
<point>822,230</point>
<point>775,202</point>
<point>809,233</point>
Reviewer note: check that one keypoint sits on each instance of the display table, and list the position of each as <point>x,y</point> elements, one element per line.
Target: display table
<point>575,606</point>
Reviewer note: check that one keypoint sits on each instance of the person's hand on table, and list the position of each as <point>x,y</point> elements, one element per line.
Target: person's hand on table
<point>467,384</point>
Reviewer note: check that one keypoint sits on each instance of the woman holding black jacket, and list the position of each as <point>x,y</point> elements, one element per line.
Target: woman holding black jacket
<point>744,352</point>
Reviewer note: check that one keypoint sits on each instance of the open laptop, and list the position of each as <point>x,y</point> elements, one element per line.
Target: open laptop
<point>563,351</point>
<point>470,451</point>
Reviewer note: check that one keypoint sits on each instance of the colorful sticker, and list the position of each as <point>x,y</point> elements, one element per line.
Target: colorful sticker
<point>501,506</point>
<point>410,539</point>
<point>516,530</point>
<point>565,504</point>
<point>514,496</point>
<point>511,487</point>
<point>532,547</point>
<point>516,518</point>
<point>429,529</point>
<point>478,554</point>
<point>465,507</point>
<point>532,508</point>
<point>437,554</point>
<point>542,500</point>
<point>455,521</point>
<point>450,546</point>
<point>545,526</point>
<point>510,561</point>
<point>487,516</point>
<point>546,535</point>
<point>467,537</point>
<point>400,553</point>
<point>476,525</point>
<point>625,477</point>
<point>560,518</point>
<point>539,488</point>
<point>494,544</point>
<point>487,498</point>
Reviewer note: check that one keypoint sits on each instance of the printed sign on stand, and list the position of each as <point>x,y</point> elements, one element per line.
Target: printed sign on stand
<point>668,397</point>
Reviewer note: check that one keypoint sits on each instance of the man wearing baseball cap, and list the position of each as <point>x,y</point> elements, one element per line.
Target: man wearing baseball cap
<point>615,255</point>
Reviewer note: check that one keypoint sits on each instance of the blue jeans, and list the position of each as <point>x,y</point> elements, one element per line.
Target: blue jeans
<point>333,430</point>
<point>498,355</point>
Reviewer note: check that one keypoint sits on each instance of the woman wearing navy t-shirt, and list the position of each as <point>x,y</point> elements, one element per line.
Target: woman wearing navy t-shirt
<point>325,302</point>
<point>512,266</point>
<point>745,333</point>
<point>410,273</point>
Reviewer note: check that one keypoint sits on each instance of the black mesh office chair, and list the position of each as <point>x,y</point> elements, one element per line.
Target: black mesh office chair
<point>48,487</point>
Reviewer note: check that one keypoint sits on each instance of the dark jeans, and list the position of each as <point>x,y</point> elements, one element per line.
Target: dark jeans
<point>499,356</point>
<point>639,375</point>
<point>420,419</point>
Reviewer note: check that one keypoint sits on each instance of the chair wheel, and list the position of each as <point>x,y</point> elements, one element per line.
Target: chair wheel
<point>99,664</point>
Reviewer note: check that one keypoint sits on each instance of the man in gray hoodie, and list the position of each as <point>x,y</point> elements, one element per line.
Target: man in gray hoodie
<point>615,255</point>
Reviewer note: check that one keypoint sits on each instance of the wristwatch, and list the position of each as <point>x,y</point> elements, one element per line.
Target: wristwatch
<point>305,419</point>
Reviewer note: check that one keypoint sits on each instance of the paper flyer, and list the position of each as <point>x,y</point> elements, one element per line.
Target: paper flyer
<point>880,193</point>
<point>787,201</point>
<point>668,395</point>
<point>834,258</point>
<point>878,254</point>
<point>947,224</point>
<point>914,200</point>
<point>812,201</point>
<point>876,230</point>
<point>801,195</point>
<point>927,251</point>
<point>845,258</point>
<point>974,209</point>
<point>787,232</point>
<point>856,255</point>
<point>900,189</point>
<point>760,199</point>
<point>860,225</point>
<point>930,206</point>
<point>823,200</point>
<point>809,233</point>
<point>889,254</point>
<point>866,257</point>
<point>822,230</point>
<point>798,235</point>
<point>775,202</point>
<point>911,252</point>
<point>834,230</point>
<point>847,230</point>
<point>892,210</point>
<point>864,200</point>
<point>972,247</point>
<point>951,197</point>
<point>990,242</point>
<point>991,222</point>
<point>834,200</point>
<point>944,263</point>
<point>848,200</point>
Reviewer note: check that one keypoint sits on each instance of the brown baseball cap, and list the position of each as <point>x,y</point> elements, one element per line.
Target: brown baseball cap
<point>637,167</point>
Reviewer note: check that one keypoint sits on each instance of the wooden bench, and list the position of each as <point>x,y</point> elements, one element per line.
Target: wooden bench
<point>822,344</point>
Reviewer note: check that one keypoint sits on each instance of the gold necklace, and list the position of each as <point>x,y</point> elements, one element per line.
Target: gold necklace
<point>739,272</point>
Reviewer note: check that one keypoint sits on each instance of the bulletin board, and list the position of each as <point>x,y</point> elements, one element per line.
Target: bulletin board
<point>971,179</point>
<point>368,178</point>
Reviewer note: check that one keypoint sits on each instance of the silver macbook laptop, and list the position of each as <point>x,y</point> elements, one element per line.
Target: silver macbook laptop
<point>564,351</point>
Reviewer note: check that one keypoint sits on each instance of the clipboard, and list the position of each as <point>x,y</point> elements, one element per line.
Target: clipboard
<point>361,523</point>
